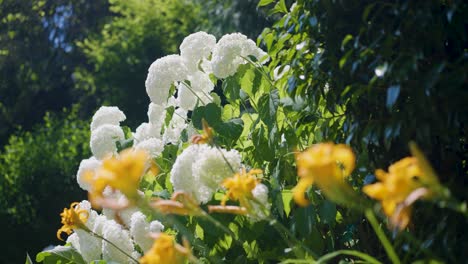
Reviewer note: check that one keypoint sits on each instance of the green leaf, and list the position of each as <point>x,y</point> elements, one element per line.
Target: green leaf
<point>392,95</point>
<point>280,7</point>
<point>60,254</point>
<point>230,111</point>
<point>327,212</point>
<point>28,259</point>
<point>228,132</point>
<point>267,106</point>
<point>265,2</point>
<point>210,112</point>
<point>287,197</point>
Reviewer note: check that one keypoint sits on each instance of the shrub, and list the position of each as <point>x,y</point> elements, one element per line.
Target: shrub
<point>37,171</point>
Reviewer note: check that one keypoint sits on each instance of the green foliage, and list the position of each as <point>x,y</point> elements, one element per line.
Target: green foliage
<point>37,181</point>
<point>377,75</point>
<point>227,16</point>
<point>65,255</point>
<point>38,55</point>
<point>120,55</point>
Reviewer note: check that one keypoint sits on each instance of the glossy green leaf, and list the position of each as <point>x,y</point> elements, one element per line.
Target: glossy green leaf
<point>60,254</point>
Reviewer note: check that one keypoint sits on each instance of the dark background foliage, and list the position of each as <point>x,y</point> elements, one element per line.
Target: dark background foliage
<point>389,72</point>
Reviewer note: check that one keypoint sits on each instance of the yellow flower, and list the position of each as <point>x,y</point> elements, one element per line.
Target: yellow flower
<point>73,218</point>
<point>165,250</point>
<point>325,164</point>
<point>239,187</point>
<point>403,179</point>
<point>206,137</point>
<point>121,173</point>
<point>180,204</point>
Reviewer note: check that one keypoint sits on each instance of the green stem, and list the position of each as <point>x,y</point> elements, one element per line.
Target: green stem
<point>288,236</point>
<point>119,249</point>
<point>363,256</point>
<point>227,162</point>
<point>190,89</point>
<point>222,227</point>
<point>382,237</point>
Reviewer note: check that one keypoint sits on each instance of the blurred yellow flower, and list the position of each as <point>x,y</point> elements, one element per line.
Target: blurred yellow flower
<point>404,178</point>
<point>73,218</point>
<point>325,164</point>
<point>206,137</point>
<point>179,204</point>
<point>121,173</point>
<point>239,187</point>
<point>165,250</point>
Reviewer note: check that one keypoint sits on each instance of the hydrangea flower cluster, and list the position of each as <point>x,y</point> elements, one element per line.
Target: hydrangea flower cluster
<point>133,233</point>
<point>200,169</point>
<point>175,84</point>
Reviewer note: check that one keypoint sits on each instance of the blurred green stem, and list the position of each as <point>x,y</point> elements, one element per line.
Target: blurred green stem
<point>363,256</point>
<point>382,237</point>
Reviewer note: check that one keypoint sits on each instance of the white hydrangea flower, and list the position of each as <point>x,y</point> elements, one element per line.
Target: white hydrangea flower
<point>87,245</point>
<point>74,241</point>
<point>90,246</point>
<point>260,193</point>
<point>99,223</point>
<point>121,238</point>
<point>228,53</point>
<point>86,165</point>
<point>162,74</point>
<point>92,215</point>
<point>195,47</point>
<point>103,140</point>
<point>186,97</point>
<point>206,66</point>
<point>110,115</point>
<point>156,227</point>
<point>198,93</point>
<point>154,146</point>
<point>140,229</point>
<point>199,170</point>
<point>125,214</point>
<point>200,81</point>
<point>175,127</point>
<point>146,131</point>
<point>156,114</point>
<point>211,169</point>
<point>181,173</point>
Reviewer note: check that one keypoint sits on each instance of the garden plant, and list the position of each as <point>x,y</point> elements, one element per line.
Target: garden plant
<point>302,147</point>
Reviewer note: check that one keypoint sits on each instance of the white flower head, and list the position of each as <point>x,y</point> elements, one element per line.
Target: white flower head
<point>146,131</point>
<point>162,74</point>
<point>229,54</point>
<point>107,115</point>
<point>175,127</point>
<point>156,114</point>
<point>181,173</point>
<point>103,140</point>
<point>74,241</point>
<point>197,93</point>
<point>139,230</point>
<point>90,246</point>
<point>212,168</point>
<point>154,146</point>
<point>114,233</point>
<point>196,47</point>
<point>260,193</point>
<point>87,166</point>
<point>199,170</point>
<point>156,226</point>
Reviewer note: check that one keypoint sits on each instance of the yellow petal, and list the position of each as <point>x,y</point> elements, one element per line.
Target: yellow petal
<point>300,189</point>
